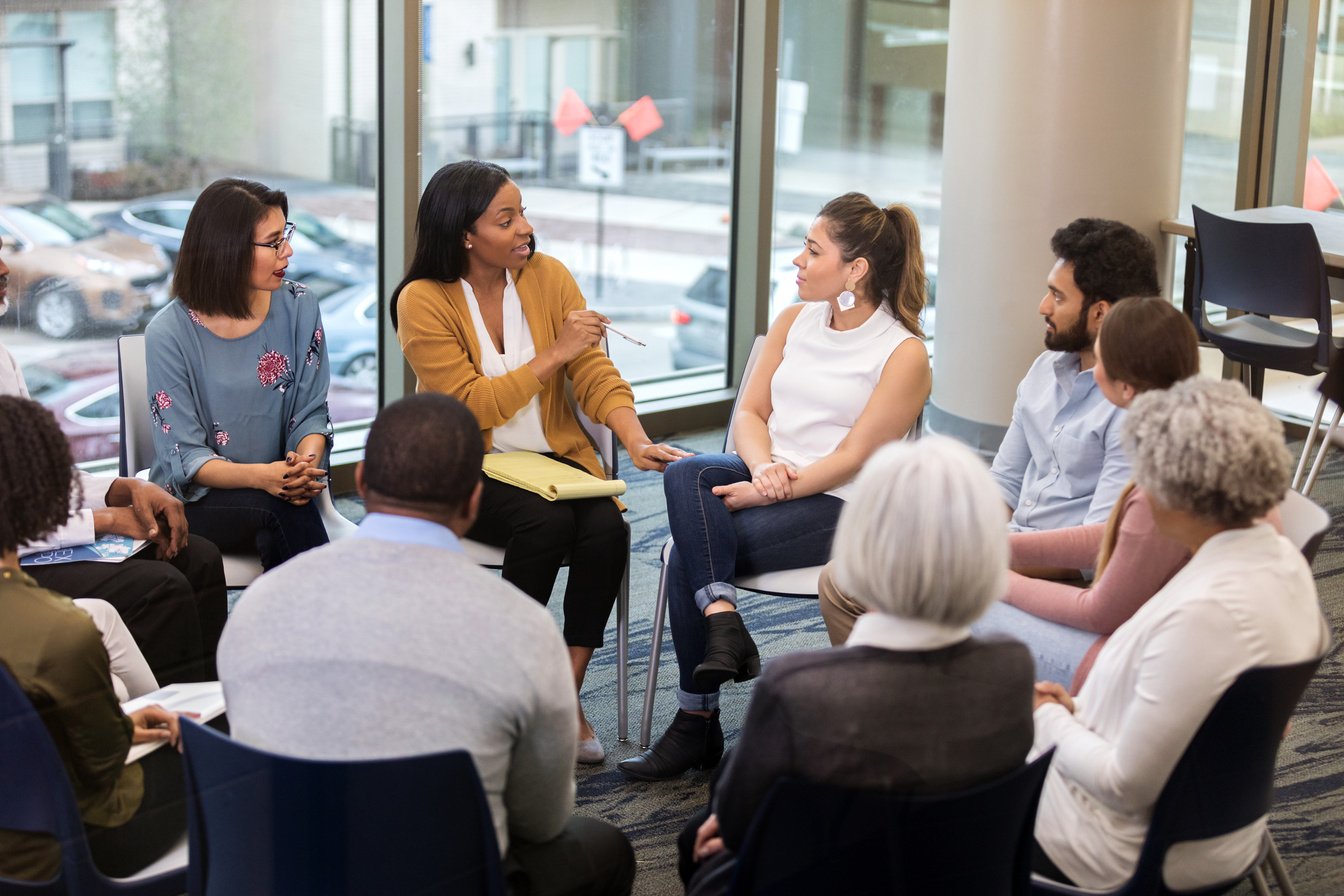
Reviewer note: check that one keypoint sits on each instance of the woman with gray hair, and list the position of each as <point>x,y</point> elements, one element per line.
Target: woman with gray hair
<point>913,703</point>
<point>1212,461</point>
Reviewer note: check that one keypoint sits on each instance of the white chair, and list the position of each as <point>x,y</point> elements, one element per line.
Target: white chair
<point>137,453</point>
<point>1304,523</point>
<point>801,582</point>
<point>491,557</point>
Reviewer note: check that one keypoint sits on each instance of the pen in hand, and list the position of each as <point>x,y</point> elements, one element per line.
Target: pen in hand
<point>624,336</point>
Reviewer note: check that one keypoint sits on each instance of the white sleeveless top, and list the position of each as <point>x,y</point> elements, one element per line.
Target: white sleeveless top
<point>824,381</point>
<point>523,431</point>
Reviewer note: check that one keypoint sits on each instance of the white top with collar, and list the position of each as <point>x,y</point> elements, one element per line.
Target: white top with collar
<point>1245,599</point>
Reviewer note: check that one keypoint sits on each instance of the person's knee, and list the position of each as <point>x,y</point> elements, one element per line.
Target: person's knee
<point>201,563</point>
<point>838,610</point>
<point>612,857</point>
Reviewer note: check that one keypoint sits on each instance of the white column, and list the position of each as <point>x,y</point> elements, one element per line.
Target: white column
<point>1056,109</point>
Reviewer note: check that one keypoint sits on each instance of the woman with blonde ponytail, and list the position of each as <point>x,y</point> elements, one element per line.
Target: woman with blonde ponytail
<point>841,373</point>
<point>1144,344</point>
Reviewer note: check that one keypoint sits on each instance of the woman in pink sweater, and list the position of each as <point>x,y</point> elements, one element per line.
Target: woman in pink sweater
<point>1143,344</point>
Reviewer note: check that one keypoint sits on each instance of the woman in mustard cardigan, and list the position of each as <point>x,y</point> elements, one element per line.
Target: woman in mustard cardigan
<point>482,317</point>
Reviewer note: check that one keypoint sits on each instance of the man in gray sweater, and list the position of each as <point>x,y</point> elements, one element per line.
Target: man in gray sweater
<point>392,643</point>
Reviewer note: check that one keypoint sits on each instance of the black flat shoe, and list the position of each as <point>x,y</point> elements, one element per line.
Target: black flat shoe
<point>729,653</point>
<point>691,741</point>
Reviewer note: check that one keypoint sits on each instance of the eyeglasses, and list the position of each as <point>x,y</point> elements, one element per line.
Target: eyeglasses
<point>285,236</point>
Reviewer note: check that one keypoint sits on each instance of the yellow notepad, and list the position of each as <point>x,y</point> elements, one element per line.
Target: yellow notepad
<point>549,478</point>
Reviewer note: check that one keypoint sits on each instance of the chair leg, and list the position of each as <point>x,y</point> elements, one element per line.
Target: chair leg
<point>655,655</point>
<point>1320,455</point>
<point>1306,446</point>
<point>623,649</point>
<point>1258,881</point>
<point>1275,863</point>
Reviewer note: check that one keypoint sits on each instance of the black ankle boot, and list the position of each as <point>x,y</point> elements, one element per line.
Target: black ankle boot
<point>729,652</point>
<point>691,741</point>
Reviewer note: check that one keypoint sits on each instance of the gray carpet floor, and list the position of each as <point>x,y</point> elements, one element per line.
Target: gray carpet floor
<point>1308,820</point>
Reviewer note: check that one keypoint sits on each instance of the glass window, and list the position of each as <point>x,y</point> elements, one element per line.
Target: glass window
<point>860,107</point>
<point>518,84</point>
<point>161,97</point>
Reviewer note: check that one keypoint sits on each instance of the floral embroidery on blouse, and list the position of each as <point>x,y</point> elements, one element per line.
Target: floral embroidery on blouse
<point>157,405</point>
<point>314,349</point>
<point>296,289</point>
<point>273,370</point>
<point>195,318</point>
<point>221,437</point>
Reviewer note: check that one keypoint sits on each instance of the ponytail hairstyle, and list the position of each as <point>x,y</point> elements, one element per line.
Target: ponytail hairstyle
<point>1147,344</point>
<point>457,195</point>
<point>889,239</point>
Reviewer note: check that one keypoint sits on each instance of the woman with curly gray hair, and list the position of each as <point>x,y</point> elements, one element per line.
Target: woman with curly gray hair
<point>1212,461</point>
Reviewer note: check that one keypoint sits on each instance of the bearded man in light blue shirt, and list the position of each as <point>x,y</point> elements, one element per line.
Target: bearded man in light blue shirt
<point>1060,463</point>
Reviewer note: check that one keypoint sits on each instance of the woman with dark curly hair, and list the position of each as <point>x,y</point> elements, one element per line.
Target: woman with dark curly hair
<point>238,380</point>
<point>133,813</point>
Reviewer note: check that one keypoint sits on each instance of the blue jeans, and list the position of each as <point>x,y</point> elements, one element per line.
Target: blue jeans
<point>248,520</point>
<point>712,546</point>
<point>1056,648</point>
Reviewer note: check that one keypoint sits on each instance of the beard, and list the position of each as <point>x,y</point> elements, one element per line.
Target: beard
<point>1074,339</point>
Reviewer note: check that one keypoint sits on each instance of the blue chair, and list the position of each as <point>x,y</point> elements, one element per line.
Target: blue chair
<point>35,796</point>
<point>266,824</point>
<point>814,838</point>
<point>1223,781</point>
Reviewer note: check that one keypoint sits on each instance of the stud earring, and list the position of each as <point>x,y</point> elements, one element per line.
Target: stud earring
<point>846,299</point>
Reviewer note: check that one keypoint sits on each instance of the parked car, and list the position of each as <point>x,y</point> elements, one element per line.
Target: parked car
<point>350,323</point>
<point>319,252</point>
<point>81,390</point>
<point>700,334</point>
<point>67,274</point>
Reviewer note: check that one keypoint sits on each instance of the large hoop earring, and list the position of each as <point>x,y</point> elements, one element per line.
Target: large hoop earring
<point>846,300</point>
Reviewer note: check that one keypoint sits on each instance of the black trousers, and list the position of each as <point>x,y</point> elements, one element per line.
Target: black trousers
<point>174,608</point>
<point>156,825</point>
<point>248,520</point>
<point>588,857</point>
<point>537,535</point>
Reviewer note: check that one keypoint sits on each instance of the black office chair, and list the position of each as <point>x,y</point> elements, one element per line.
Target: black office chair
<point>813,838</point>
<point>35,796</point>
<point>1223,781</point>
<point>1262,269</point>
<point>264,824</point>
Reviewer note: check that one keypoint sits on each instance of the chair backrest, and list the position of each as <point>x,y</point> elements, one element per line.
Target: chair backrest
<point>137,436</point>
<point>1304,523</point>
<point>1225,778</point>
<point>35,796</point>
<point>268,824</point>
<point>1264,268</point>
<point>811,838</point>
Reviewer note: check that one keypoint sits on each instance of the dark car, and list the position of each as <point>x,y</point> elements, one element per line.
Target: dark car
<point>321,255</point>
<point>81,391</point>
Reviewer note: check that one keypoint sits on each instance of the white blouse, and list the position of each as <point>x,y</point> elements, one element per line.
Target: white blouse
<point>824,382</point>
<point>1245,599</point>
<point>523,431</point>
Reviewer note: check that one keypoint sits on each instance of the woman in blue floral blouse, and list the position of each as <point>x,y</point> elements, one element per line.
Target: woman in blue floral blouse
<point>238,380</point>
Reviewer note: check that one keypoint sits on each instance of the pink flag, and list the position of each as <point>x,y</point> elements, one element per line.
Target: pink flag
<point>1319,190</point>
<point>641,119</point>
<point>571,114</point>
